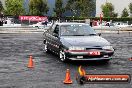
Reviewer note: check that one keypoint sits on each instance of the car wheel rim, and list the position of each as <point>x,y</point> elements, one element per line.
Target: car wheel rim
<point>62,56</point>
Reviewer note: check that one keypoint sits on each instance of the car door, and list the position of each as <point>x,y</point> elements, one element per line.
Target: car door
<point>55,39</point>
<point>48,38</point>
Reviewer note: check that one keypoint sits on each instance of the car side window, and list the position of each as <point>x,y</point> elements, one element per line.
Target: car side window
<point>56,30</point>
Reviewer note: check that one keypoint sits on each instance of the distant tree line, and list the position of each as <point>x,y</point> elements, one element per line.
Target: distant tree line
<point>79,8</point>
<point>108,10</point>
<point>83,8</point>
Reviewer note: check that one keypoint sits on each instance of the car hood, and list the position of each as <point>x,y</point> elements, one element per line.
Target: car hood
<point>84,41</point>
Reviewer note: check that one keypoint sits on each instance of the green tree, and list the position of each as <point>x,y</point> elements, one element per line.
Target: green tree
<point>73,6</point>
<point>125,13</point>
<point>86,7</point>
<point>83,8</point>
<point>59,10</point>
<point>14,7</point>
<point>130,8</point>
<point>1,6</point>
<point>108,10</point>
<point>38,7</point>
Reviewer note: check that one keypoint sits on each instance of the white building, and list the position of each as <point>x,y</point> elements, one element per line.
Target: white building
<point>119,5</point>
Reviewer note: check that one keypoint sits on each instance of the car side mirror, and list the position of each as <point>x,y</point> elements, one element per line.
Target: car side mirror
<point>56,35</point>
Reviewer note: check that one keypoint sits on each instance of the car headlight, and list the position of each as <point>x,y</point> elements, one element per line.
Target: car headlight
<point>108,48</point>
<point>76,48</point>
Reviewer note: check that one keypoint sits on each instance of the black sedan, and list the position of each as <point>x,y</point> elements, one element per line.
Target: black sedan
<point>76,41</point>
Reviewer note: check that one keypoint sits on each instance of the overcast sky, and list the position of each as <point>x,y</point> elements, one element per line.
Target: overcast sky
<point>119,5</point>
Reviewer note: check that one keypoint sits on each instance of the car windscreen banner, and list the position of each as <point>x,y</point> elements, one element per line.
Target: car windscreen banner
<point>33,18</point>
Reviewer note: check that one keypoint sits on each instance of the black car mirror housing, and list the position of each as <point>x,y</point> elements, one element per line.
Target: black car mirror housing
<point>56,35</point>
<point>99,34</point>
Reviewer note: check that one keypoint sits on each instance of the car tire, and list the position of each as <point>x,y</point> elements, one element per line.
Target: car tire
<point>46,47</point>
<point>62,55</point>
<point>106,61</point>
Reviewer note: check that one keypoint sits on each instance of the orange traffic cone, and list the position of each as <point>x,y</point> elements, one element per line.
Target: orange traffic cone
<point>67,78</point>
<point>30,62</point>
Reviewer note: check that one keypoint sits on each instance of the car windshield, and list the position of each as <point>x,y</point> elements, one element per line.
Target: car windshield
<point>76,30</point>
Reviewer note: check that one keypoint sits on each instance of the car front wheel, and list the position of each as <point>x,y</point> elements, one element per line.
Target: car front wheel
<point>106,61</point>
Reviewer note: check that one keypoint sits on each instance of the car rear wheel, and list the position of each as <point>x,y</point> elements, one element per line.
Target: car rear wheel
<point>62,55</point>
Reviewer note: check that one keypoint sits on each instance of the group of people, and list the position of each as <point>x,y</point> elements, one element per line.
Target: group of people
<point>1,23</point>
<point>6,20</point>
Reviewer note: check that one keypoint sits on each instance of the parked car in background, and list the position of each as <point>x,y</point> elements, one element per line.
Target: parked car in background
<point>76,41</point>
<point>10,23</point>
<point>41,24</point>
<point>121,24</point>
<point>106,26</point>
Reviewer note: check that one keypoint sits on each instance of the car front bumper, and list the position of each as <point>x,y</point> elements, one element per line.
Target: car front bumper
<point>104,55</point>
<point>90,59</point>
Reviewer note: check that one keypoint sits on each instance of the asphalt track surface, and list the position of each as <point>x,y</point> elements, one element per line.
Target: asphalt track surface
<point>49,71</point>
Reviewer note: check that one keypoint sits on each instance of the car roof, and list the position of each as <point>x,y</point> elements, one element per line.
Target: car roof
<point>70,23</point>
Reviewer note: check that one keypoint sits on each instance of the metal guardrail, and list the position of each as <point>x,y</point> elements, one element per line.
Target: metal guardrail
<point>15,27</point>
<point>11,28</point>
<point>21,29</point>
<point>119,30</point>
